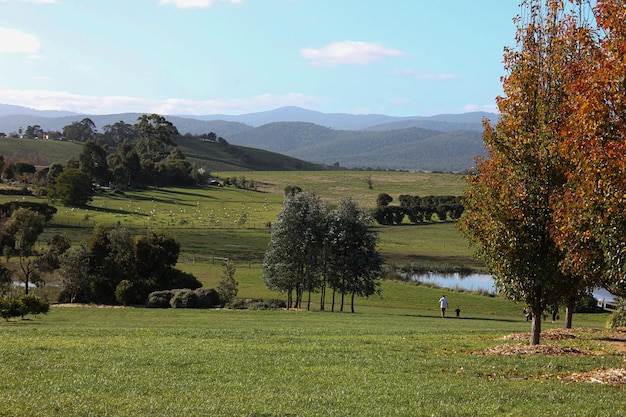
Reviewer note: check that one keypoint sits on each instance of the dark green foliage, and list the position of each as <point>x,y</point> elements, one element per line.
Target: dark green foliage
<point>124,292</point>
<point>17,169</point>
<point>389,215</point>
<point>258,304</point>
<point>290,190</point>
<point>94,271</point>
<point>159,299</point>
<point>587,304</point>
<point>22,306</point>
<point>31,304</point>
<point>80,131</point>
<point>184,299</point>
<point>227,287</point>
<point>9,307</point>
<point>7,209</point>
<point>72,188</point>
<point>207,298</point>
<point>418,209</point>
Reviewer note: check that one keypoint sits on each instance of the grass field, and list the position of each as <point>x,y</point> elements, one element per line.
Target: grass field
<point>400,359</point>
<point>394,356</point>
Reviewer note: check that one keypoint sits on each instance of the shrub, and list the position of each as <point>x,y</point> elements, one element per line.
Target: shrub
<point>9,307</point>
<point>207,298</point>
<point>258,304</point>
<point>227,287</point>
<point>184,299</point>
<point>124,292</point>
<point>26,304</point>
<point>159,299</point>
<point>618,319</point>
<point>31,304</point>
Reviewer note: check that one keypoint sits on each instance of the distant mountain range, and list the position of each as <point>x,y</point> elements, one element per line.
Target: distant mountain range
<point>436,143</point>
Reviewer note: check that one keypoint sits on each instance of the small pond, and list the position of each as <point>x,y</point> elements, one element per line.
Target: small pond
<point>479,282</point>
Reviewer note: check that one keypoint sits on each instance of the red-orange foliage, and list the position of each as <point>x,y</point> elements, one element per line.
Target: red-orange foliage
<point>591,215</point>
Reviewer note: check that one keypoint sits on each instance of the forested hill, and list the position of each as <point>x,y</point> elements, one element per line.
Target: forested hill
<point>411,149</point>
<point>436,143</point>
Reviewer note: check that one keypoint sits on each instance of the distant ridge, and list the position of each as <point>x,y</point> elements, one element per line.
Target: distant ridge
<point>436,143</point>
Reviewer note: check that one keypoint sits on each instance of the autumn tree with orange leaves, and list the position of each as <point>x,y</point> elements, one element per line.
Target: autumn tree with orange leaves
<point>509,211</point>
<point>591,212</point>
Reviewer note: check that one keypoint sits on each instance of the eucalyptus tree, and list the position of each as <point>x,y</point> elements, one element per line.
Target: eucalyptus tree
<point>81,131</point>
<point>353,260</point>
<point>93,162</point>
<point>292,260</point>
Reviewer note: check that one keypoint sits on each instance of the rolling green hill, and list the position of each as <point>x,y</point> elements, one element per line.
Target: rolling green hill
<point>204,154</point>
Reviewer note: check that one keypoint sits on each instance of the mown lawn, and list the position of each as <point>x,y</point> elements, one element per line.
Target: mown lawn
<point>380,362</point>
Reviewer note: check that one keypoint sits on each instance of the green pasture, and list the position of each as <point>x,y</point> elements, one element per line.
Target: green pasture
<point>394,356</point>
<point>400,359</point>
<point>225,222</point>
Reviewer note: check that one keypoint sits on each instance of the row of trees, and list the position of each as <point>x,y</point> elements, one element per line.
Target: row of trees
<point>314,248</point>
<point>546,206</point>
<point>417,209</point>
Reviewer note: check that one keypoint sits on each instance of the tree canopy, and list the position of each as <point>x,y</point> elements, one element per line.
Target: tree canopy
<point>313,248</point>
<point>531,207</point>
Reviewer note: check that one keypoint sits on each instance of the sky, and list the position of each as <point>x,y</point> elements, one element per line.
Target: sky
<point>202,57</point>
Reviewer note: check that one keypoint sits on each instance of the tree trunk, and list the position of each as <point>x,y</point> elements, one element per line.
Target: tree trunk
<point>569,312</point>
<point>342,300</point>
<point>332,307</point>
<point>352,302</point>
<point>322,296</point>
<point>289,298</point>
<point>535,334</point>
<point>308,302</point>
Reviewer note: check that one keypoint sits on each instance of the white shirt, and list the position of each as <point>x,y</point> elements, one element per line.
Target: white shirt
<point>443,301</point>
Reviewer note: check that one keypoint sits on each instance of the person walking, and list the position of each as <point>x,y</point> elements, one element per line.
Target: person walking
<point>443,304</point>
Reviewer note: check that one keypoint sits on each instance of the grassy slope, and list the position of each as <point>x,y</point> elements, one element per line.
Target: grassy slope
<point>204,154</point>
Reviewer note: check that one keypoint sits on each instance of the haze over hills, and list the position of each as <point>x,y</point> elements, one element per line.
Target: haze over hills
<point>435,143</point>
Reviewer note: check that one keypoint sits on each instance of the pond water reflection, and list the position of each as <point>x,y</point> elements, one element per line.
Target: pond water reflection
<point>479,282</point>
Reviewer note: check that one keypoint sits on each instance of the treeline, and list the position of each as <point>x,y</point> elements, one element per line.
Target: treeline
<point>122,156</point>
<point>417,209</point>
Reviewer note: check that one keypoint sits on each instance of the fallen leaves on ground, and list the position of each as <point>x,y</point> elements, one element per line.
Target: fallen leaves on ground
<point>606,376</point>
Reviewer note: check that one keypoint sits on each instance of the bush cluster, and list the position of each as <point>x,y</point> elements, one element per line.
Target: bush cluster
<point>22,306</point>
<point>184,298</point>
<point>258,304</point>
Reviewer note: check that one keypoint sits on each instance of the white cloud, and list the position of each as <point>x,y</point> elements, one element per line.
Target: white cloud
<point>348,53</point>
<point>59,100</point>
<point>31,1</point>
<point>196,4</point>
<point>14,41</point>
<point>420,75</point>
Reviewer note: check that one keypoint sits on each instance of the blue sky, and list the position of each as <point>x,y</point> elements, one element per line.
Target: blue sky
<point>395,57</point>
